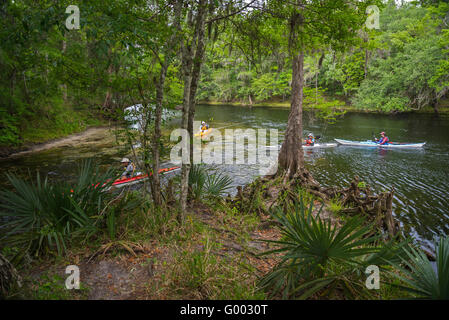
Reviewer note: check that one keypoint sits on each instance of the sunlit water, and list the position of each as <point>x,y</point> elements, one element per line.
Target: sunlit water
<point>420,177</point>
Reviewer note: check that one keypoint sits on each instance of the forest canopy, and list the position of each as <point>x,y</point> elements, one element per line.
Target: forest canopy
<point>64,80</point>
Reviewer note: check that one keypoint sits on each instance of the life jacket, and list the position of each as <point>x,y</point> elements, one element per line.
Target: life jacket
<point>130,174</point>
<point>384,140</point>
<point>310,141</point>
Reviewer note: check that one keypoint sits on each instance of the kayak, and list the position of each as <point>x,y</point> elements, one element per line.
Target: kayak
<point>203,133</point>
<point>369,143</point>
<point>320,145</point>
<point>315,146</point>
<point>139,178</point>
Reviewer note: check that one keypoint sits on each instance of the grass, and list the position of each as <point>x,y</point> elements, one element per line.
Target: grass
<point>335,206</point>
<point>63,125</point>
<point>210,257</point>
<point>198,271</point>
<point>52,287</point>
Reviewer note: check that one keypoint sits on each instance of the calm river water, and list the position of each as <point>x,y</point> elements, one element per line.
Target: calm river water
<point>420,177</point>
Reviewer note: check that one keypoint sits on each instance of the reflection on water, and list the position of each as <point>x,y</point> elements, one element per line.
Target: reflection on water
<point>420,176</point>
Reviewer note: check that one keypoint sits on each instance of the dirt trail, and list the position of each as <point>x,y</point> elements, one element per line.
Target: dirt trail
<point>85,137</point>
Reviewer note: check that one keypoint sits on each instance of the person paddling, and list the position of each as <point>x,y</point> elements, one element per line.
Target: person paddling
<point>204,126</point>
<point>383,139</point>
<point>310,141</point>
<point>129,169</point>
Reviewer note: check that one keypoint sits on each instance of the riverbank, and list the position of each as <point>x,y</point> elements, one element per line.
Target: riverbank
<point>42,131</point>
<point>45,141</point>
<point>88,136</point>
<point>444,109</point>
<point>217,253</point>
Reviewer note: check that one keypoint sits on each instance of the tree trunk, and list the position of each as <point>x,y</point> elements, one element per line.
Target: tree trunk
<point>291,155</point>
<point>197,62</point>
<point>316,82</point>
<point>155,181</point>
<point>107,99</point>
<point>186,69</point>
<point>64,85</point>
<point>192,56</point>
<point>366,63</point>
<point>435,107</point>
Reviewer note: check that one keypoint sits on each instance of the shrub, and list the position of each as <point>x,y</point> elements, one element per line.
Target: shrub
<point>41,215</point>
<point>319,258</point>
<point>421,278</point>
<point>207,184</point>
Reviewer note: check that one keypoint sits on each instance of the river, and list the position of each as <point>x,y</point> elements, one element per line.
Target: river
<point>420,177</point>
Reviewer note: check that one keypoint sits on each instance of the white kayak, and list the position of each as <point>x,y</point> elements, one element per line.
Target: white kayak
<point>320,145</point>
<point>315,146</point>
<point>369,143</point>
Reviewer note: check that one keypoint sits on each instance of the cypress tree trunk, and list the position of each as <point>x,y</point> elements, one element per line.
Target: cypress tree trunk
<point>291,155</point>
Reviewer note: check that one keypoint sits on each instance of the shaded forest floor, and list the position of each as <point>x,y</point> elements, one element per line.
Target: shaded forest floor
<point>213,256</point>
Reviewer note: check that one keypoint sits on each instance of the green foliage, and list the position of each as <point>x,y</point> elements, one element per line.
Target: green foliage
<point>319,258</point>
<point>43,216</point>
<point>204,183</point>
<point>409,73</point>
<point>53,288</point>
<point>158,221</point>
<point>421,278</point>
<point>412,69</point>
<point>202,274</point>
<point>335,206</point>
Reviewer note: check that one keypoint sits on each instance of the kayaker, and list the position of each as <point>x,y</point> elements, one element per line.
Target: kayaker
<point>129,169</point>
<point>310,141</point>
<point>204,126</point>
<point>383,139</point>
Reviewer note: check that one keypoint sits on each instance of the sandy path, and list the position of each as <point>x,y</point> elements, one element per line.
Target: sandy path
<point>70,141</point>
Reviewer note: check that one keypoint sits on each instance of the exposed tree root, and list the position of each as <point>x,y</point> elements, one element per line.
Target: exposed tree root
<point>357,199</point>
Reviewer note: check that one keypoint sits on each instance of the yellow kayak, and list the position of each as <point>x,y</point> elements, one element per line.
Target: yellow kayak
<point>203,133</point>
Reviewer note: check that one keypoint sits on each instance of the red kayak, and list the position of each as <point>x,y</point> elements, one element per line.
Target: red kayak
<point>139,178</point>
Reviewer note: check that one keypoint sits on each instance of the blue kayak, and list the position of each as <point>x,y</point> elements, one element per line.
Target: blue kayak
<point>369,143</point>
